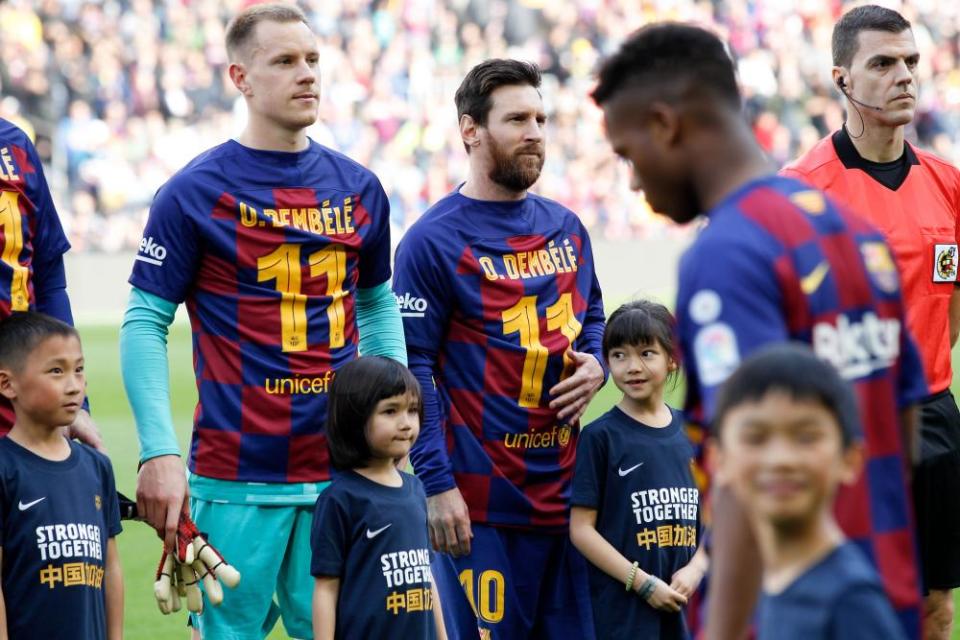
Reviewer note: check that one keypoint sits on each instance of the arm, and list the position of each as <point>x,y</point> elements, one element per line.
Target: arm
<point>379,323</point>
<point>912,389</point>
<point>161,483</point>
<point>325,592</point>
<point>729,305</point>
<point>423,273</point>
<point>735,569</point>
<point>602,554</point>
<point>448,517</point>
<point>113,582</point>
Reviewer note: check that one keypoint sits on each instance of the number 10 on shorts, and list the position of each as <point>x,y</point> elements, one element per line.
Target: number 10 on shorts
<point>485,594</point>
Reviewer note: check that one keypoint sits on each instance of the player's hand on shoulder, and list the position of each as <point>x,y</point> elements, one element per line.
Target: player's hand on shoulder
<point>448,519</point>
<point>572,395</point>
<point>86,431</point>
<point>665,597</point>
<point>161,495</point>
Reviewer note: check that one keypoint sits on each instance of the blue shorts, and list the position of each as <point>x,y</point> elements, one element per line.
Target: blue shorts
<point>515,585</point>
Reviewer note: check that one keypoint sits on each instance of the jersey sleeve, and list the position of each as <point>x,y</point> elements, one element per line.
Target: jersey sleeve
<point>329,536</point>
<point>375,252</point>
<point>863,613</point>
<point>168,256</point>
<point>589,470</point>
<point>729,305</point>
<point>429,455</point>
<point>590,339</point>
<point>421,283</point>
<point>50,242</point>
<point>50,289</point>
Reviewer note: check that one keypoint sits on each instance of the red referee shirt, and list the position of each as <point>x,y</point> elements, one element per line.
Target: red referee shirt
<point>920,221</point>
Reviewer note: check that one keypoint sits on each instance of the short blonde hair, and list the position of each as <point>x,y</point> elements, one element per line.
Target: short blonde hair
<point>240,30</point>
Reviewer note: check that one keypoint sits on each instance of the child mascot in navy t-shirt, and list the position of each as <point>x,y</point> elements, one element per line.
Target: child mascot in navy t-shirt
<point>371,551</point>
<point>635,513</point>
<point>59,514</point>
<point>788,436</point>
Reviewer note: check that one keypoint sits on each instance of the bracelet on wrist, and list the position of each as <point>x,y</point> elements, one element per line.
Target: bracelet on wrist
<point>632,575</point>
<point>649,586</point>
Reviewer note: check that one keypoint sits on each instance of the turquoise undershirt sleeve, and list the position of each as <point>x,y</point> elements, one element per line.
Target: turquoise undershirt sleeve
<point>380,324</point>
<point>143,363</point>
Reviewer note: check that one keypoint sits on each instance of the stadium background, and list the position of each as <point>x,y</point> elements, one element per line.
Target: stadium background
<point>119,94</point>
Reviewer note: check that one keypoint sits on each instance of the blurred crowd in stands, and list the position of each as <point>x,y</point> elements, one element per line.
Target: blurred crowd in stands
<point>121,93</point>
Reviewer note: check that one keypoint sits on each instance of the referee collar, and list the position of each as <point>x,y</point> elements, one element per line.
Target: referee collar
<point>852,159</point>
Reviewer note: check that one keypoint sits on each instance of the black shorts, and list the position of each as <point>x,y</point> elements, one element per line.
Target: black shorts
<point>936,492</point>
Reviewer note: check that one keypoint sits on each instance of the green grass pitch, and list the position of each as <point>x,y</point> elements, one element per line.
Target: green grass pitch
<point>139,546</point>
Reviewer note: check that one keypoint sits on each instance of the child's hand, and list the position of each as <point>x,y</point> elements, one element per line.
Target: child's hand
<point>665,597</point>
<point>686,580</point>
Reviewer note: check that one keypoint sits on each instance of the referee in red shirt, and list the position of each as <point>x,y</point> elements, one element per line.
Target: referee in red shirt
<point>914,198</point>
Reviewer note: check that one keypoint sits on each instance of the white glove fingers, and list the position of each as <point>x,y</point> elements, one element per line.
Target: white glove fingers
<point>189,580</point>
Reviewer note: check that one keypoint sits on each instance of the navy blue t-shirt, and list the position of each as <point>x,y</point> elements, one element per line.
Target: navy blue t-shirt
<point>55,521</point>
<point>374,537</point>
<point>638,478</point>
<point>838,598</point>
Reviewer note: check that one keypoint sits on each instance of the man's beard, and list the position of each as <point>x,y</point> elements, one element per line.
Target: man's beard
<point>511,170</point>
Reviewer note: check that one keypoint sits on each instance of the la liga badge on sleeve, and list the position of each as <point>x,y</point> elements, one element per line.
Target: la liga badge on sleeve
<point>945,263</point>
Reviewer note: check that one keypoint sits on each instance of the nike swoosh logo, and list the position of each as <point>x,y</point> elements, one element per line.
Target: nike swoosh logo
<point>374,534</point>
<point>624,472</point>
<point>812,281</point>
<point>24,507</point>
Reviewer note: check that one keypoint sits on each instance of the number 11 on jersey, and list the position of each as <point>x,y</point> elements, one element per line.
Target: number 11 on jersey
<point>522,318</point>
<point>283,265</point>
<point>12,224</point>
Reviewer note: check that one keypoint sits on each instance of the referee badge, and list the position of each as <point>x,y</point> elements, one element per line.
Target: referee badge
<point>945,263</point>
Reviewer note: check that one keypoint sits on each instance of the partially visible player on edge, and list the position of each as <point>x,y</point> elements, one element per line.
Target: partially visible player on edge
<point>32,245</point>
<point>787,436</point>
<point>503,310</point>
<point>778,261</point>
<point>914,199</point>
<point>636,506</point>
<point>280,249</point>
<point>61,571</point>
<point>371,549</point>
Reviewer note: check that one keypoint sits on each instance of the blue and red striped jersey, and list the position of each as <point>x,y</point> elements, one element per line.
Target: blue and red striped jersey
<point>31,231</point>
<point>496,293</point>
<point>267,249</point>
<point>779,261</point>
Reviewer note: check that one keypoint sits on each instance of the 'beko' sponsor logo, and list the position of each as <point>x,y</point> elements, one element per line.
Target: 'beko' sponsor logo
<point>858,348</point>
<point>411,307</point>
<point>151,252</point>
